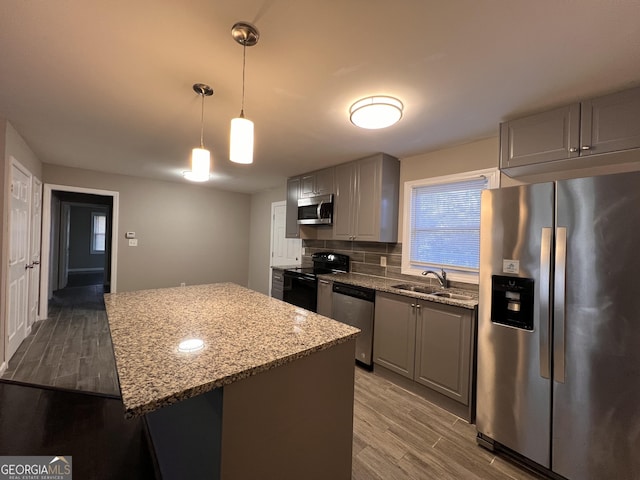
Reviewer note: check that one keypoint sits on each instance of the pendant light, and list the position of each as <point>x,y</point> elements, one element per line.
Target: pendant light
<point>200,157</point>
<point>241,141</point>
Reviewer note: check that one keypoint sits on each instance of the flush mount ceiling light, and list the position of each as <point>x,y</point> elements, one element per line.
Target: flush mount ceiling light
<point>191,345</point>
<point>241,142</point>
<point>376,112</point>
<point>200,157</point>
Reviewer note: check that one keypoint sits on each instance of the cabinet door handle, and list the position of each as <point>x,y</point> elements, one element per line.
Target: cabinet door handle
<point>417,305</point>
<point>573,150</point>
<point>413,305</point>
<point>324,282</point>
<point>585,147</point>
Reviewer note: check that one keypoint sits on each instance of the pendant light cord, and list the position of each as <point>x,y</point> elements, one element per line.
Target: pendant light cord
<point>244,62</point>
<point>202,121</point>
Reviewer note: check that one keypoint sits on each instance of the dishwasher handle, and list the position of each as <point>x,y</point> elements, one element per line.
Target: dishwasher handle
<point>355,291</point>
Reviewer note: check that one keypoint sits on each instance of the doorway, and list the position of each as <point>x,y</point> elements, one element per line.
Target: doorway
<point>53,197</point>
<point>284,251</point>
<point>70,348</point>
<point>80,253</point>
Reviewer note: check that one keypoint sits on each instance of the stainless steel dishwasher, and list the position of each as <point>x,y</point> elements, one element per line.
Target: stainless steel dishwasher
<point>354,306</point>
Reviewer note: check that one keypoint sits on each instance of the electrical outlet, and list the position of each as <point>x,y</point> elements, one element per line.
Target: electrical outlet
<point>133,242</point>
<point>383,261</point>
<point>182,284</point>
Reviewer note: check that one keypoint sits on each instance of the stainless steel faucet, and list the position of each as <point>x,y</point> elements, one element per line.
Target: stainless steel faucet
<point>442,277</point>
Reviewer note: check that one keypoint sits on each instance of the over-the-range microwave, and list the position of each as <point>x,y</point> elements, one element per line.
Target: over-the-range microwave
<point>316,210</point>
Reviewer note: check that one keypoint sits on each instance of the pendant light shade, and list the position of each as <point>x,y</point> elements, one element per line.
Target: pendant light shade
<point>200,156</point>
<point>376,112</point>
<point>200,165</point>
<point>241,139</point>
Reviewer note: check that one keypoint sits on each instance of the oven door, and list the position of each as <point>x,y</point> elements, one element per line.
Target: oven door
<point>301,290</point>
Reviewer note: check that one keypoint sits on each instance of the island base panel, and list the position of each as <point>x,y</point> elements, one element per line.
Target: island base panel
<point>292,422</point>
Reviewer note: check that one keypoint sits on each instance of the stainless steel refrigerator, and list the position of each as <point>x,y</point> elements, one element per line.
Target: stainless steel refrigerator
<point>559,325</point>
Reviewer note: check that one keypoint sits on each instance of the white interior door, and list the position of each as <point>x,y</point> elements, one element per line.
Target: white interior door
<point>284,251</point>
<point>18,257</point>
<point>34,249</point>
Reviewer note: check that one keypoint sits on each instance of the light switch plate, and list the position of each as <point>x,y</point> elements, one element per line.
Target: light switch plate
<point>133,242</point>
<point>130,235</point>
<point>383,261</point>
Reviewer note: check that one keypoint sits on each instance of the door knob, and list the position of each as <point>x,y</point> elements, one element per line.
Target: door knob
<point>28,265</point>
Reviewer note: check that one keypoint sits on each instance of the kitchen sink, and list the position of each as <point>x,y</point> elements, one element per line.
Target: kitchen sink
<point>416,288</point>
<point>453,296</point>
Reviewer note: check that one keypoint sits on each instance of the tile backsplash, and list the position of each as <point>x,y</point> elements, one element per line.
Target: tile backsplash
<point>365,258</point>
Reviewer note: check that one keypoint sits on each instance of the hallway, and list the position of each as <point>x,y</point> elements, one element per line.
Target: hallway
<point>71,349</point>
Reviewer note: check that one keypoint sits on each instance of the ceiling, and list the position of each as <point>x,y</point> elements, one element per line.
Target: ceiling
<point>107,86</point>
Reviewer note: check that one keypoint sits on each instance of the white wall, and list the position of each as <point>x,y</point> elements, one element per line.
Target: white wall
<point>186,233</point>
<point>259,251</point>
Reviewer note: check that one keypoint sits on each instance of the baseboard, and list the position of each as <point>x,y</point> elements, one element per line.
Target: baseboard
<point>86,270</point>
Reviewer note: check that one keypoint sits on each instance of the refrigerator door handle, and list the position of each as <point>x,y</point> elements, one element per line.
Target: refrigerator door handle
<point>559,305</point>
<point>544,289</point>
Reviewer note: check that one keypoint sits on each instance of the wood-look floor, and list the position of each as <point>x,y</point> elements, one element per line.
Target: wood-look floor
<point>72,348</point>
<point>397,434</point>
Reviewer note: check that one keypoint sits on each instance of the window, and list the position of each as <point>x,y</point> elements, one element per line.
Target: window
<point>98,231</point>
<point>442,224</point>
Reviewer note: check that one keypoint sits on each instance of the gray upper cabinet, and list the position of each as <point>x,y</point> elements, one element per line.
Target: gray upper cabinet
<point>292,229</point>
<point>394,338</point>
<point>444,347</point>
<point>366,201</point>
<point>606,124</point>
<point>540,138</point>
<point>320,182</point>
<point>611,123</point>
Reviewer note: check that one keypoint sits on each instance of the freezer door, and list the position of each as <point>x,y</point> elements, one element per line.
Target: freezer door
<point>596,387</point>
<point>513,384</point>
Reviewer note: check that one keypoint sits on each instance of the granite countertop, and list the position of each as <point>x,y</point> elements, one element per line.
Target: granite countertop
<point>383,284</point>
<point>244,333</point>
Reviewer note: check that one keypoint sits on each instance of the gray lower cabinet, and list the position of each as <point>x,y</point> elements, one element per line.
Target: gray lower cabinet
<point>325,296</point>
<point>292,229</point>
<point>606,124</point>
<point>428,342</point>
<point>277,283</point>
<point>394,336</point>
<point>443,350</point>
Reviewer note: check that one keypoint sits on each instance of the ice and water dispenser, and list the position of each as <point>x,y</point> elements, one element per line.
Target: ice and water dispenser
<point>512,301</point>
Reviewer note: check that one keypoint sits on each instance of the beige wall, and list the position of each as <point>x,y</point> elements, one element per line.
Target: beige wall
<point>11,145</point>
<point>186,233</point>
<point>463,158</point>
<point>259,245</point>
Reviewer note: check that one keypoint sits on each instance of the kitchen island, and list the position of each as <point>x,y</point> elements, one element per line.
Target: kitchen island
<point>269,395</point>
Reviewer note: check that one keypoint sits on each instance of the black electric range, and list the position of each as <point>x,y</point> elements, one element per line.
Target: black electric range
<point>301,284</point>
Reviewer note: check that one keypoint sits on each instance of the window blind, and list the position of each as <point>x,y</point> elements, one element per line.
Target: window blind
<point>445,224</point>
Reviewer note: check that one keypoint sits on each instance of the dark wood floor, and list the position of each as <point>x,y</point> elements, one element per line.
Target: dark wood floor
<point>89,428</point>
<point>70,349</point>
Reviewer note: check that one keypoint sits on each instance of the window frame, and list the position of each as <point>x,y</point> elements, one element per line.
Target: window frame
<point>457,275</point>
<point>93,250</point>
